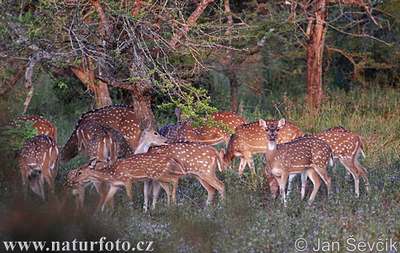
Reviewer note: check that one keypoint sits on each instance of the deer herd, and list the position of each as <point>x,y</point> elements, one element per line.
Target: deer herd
<point>121,151</point>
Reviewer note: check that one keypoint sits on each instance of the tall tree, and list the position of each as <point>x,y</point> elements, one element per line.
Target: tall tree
<point>316,14</point>
<point>132,45</point>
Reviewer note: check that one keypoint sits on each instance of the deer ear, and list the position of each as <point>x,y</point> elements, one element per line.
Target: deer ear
<point>92,164</point>
<point>262,123</point>
<point>281,123</point>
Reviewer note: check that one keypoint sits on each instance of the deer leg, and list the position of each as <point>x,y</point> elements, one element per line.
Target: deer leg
<point>217,184</point>
<point>315,179</point>
<point>282,186</point>
<point>290,184</point>
<point>156,191</point>
<point>146,193</point>
<point>210,191</point>
<point>111,192</point>
<point>323,173</point>
<point>303,184</point>
<point>174,187</point>
<point>348,164</point>
<point>271,180</point>
<point>250,163</point>
<point>363,172</point>
<point>78,193</point>
<point>102,190</point>
<point>128,189</point>
<point>242,165</point>
<point>166,187</point>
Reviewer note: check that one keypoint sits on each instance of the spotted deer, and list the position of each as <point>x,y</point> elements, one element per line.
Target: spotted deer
<point>170,131</point>
<point>97,142</point>
<point>37,162</point>
<point>347,147</point>
<point>127,171</point>
<point>148,137</point>
<point>121,118</point>
<point>226,123</point>
<point>199,160</point>
<point>42,125</point>
<point>78,187</point>
<point>250,139</point>
<point>299,156</point>
<point>76,183</point>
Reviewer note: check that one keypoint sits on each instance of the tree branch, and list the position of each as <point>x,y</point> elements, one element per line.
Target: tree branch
<point>104,27</point>
<point>190,22</point>
<point>33,60</point>
<point>136,7</point>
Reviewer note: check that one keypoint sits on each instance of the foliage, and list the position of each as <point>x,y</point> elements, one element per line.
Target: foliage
<point>13,137</point>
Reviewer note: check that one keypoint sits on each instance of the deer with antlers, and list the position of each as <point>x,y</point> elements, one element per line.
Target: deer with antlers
<point>42,125</point>
<point>250,139</point>
<point>299,156</point>
<point>37,162</point>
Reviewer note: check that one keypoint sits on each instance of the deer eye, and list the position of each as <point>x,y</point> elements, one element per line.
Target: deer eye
<point>155,133</point>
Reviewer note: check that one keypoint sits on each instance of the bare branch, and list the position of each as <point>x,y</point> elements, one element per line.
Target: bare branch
<point>362,35</point>
<point>105,26</point>
<point>136,7</point>
<point>33,60</point>
<point>190,22</point>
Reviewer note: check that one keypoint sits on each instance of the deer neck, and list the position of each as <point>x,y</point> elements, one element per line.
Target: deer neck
<point>271,150</point>
<point>143,147</point>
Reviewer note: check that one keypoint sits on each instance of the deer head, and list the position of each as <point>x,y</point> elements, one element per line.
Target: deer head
<point>37,162</point>
<point>272,131</point>
<point>36,180</point>
<point>148,138</point>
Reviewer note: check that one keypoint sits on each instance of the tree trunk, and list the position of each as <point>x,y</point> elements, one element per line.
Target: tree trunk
<point>142,105</point>
<point>316,30</point>
<point>98,87</point>
<point>234,89</point>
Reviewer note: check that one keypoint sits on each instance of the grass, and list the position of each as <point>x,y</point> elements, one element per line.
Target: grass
<point>248,220</point>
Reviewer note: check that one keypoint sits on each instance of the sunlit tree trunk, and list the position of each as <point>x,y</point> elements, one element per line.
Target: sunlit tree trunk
<point>97,87</point>
<point>142,105</point>
<point>234,89</point>
<point>316,30</point>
